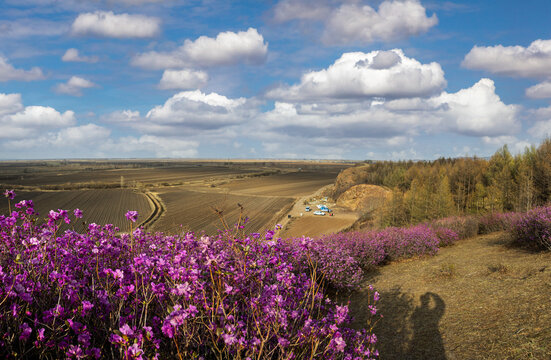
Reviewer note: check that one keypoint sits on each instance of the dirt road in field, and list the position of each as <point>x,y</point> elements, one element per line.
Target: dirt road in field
<point>158,210</point>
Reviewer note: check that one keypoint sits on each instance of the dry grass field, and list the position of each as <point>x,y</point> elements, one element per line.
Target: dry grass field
<point>99,206</point>
<point>478,299</point>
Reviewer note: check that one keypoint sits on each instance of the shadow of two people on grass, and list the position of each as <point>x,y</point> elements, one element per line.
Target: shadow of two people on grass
<point>407,330</point>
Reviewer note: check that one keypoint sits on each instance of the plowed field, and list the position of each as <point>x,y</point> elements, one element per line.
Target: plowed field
<point>294,184</point>
<point>98,206</point>
<point>187,191</point>
<point>195,210</point>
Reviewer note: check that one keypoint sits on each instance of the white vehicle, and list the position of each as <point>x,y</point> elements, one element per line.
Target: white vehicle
<point>319,213</point>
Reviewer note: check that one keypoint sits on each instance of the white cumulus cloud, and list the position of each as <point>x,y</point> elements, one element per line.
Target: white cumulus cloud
<point>10,103</point>
<point>9,73</point>
<point>109,24</point>
<point>477,111</point>
<point>518,61</point>
<point>18,122</point>
<point>542,125</point>
<point>183,79</point>
<point>194,110</point>
<point>393,20</point>
<point>387,74</point>
<point>352,22</point>
<point>227,48</point>
<point>74,86</point>
<point>539,91</point>
<point>72,55</point>
<point>79,135</point>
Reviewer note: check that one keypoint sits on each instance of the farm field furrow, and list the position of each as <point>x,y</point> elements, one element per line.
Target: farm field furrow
<point>98,206</point>
<point>195,211</point>
<point>293,184</point>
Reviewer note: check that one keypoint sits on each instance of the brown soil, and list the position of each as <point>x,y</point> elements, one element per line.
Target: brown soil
<point>348,178</point>
<point>364,197</point>
<point>312,225</point>
<point>478,299</point>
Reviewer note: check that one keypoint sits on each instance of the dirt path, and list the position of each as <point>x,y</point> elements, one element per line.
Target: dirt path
<point>158,210</point>
<point>478,299</point>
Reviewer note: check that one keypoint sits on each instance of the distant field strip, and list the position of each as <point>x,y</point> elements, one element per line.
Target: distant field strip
<point>129,176</point>
<point>99,206</point>
<point>195,210</point>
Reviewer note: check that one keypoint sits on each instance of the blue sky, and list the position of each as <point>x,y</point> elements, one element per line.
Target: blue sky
<point>305,79</point>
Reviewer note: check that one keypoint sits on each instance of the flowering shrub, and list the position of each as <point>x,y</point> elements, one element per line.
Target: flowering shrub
<point>498,222</point>
<point>445,236</point>
<point>533,229</point>
<point>464,226</point>
<point>408,242</point>
<point>336,263</point>
<point>145,296</point>
<point>343,258</point>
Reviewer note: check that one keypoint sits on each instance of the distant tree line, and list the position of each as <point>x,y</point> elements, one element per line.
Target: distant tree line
<point>425,190</point>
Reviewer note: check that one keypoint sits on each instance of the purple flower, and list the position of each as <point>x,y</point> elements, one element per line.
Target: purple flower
<point>75,352</point>
<point>338,342</point>
<point>118,274</point>
<point>116,339</point>
<point>229,339</point>
<point>126,330</point>
<point>132,215</point>
<point>41,334</point>
<point>283,342</point>
<point>134,352</point>
<point>228,289</point>
<point>168,330</point>
<point>372,309</point>
<point>10,194</point>
<point>86,307</point>
<point>342,313</point>
<point>53,215</point>
<point>25,332</point>
<point>78,213</point>
<point>268,286</point>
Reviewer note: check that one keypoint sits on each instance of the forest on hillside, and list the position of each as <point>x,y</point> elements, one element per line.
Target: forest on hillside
<point>426,190</point>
